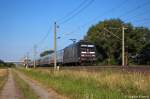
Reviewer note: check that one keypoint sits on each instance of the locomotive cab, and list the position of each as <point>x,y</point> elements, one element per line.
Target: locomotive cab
<point>87,52</point>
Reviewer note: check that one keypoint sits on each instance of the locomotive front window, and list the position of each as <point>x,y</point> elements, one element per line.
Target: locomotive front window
<point>87,48</point>
<point>91,49</point>
<point>83,49</point>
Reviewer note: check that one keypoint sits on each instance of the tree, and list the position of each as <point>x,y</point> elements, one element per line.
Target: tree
<point>144,55</point>
<point>46,53</point>
<point>2,63</point>
<point>109,47</point>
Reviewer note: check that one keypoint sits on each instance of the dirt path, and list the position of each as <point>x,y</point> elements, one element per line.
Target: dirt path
<point>42,92</point>
<point>10,91</point>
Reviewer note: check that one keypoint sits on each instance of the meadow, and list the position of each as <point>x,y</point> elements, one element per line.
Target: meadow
<point>105,84</point>
<point>3,77</point>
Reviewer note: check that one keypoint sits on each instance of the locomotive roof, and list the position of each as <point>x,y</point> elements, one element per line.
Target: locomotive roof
<point>79,42</point>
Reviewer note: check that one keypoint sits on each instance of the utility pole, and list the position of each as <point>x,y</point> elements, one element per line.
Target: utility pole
<point>55,61</point>
<point>27,63</point>
<point>123,40</point>
<point>35,56</point>
<point>123,47</point>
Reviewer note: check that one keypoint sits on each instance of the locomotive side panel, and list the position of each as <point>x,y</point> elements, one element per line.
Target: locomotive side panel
<point>71,54</point>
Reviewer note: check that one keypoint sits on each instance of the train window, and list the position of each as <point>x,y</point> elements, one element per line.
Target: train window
<point>87,49</point>
<point>83,49</point>
<point>91,49</point>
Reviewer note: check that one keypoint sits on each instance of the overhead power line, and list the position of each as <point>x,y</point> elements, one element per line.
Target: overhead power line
<point>106,12</point>
<point>134,9</point>
<point>44,37</point>
<point>76,13</point>
<point>136,15</point>
<point>115,8</point>
<point>146,22</point>
<point>72,11</point>
<point>142,20</point>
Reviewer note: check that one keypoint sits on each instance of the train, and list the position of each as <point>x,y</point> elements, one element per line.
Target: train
<point>79,53</point>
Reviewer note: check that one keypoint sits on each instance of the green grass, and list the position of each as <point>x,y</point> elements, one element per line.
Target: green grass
<point>3,77</point>
<point>107,84</point>
<point>2,81</point>
<point>25,89</point>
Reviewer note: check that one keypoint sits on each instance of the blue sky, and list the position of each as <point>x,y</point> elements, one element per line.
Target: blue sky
<point>24,23</point>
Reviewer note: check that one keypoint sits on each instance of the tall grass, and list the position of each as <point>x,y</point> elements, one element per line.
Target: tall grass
<point>106,84</point>
<point>3,77</point>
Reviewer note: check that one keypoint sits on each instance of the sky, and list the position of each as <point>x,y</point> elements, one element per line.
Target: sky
<point>25,23</point>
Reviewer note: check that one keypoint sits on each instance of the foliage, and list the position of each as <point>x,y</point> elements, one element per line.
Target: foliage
<point>109,47</point>
<point>10,65</point>
<point>144,55</point>
<point>3,77</point>
<point>46,53</point>
<point>4,64</point>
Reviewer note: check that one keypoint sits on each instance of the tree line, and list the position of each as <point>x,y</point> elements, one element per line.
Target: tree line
<point>107,36</point>
<point>4,64</point>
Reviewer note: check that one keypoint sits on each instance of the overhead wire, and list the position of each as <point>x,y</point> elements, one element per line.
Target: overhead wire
<point>141,20</point>
<point>106,12</point>
<point>44,38</point>
<point>76,13</point>
<point>134,9</point>
<point>72,11</point>
<point>125,14</point>
<point>148,21</point>
<point>118,6</point>
<point>121,4</point>
<point>137,15</point>
<point>134,17</point>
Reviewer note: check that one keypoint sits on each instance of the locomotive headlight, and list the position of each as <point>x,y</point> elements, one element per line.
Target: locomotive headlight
<point>92,52</point>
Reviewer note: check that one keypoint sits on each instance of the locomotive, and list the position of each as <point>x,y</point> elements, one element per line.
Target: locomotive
<point>79,53</point>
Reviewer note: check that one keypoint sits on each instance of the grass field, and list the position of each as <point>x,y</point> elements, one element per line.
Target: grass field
<point>106,84</point>
<point>3,77</point>
<point>25,89</point>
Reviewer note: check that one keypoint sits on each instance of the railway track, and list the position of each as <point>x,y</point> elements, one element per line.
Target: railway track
<point>100,68</point>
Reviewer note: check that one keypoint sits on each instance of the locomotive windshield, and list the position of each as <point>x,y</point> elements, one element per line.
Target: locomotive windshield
<point>88,48</point>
